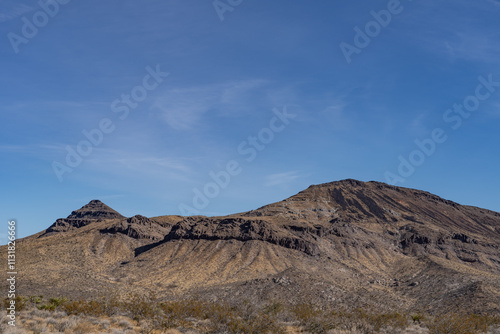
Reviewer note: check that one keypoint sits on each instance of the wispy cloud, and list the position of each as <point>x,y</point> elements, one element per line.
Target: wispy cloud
<point>468,45</point>
<point>335,115</point>
<point>496,2</point>
<point>459,37</point>
<point>15,148</point>
<point>419,126</point>
<point>12,10</point>
<point>183,108</point>
<point>281,178</point>
<point>475,46</point>
<point>139,161</point>
<point>232,93</point>
<point>151,165</point>
<point>30,149</point>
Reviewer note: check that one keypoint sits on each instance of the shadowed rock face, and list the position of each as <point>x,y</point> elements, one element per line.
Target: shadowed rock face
<point>241,229</point>
<point>139,227</point>
<point>349,242</point>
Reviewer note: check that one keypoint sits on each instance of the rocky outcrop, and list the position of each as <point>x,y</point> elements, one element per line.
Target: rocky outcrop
<point>243,230</point>
<point>67,224</point>
<point>139,227</point>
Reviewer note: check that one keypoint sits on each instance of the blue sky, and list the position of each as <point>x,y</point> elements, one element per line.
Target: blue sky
<point>264,98</point>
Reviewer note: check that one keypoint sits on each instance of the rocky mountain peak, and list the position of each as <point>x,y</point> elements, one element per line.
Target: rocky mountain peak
<point>95,209</point>
<point>351,201</point>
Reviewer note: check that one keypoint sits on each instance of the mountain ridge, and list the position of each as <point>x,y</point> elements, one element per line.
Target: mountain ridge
<point>358,244</point>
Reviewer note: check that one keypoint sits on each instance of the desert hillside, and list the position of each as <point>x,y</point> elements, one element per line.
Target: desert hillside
<point>347,243</point>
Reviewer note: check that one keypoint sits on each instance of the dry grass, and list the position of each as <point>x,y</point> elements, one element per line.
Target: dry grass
<point>148,315</point>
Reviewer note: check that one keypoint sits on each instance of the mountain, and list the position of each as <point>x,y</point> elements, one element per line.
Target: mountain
<point>93,212</point>
<point>347,243</point>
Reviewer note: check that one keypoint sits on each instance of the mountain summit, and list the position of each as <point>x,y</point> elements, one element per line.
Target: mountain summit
<point>352,243</point>
<point>94,211</point>
<point>381,204</point>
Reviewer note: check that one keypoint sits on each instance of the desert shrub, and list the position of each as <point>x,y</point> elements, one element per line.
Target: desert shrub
<point>36,299</point>
<point>274,308</point>
<point>305,312</point>
<point>57,301</point>
<point>83,328</point>
<point>320,325</point>
<point>35,312</point>
<point>417,318</point>
<point>59,314</point>
<point>255,325</point>
<point>47,307</point>
<point>221,317</point>
<point>314,320</point>
<point>201,316</point>
<point>394,320</point>
<point>105,324</point>
<point>91,307</point>
<point>36,326</point>
<point>51,305</point>
<point>461,324</point>
<point>20,303</point>
<point>175,313</point>
<point>140,307</point>
<point>230,320</point>
<point>124,323</point>
<point>64,324</point>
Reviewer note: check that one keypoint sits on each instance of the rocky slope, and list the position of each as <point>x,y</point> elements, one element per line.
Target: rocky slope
<point>348,243</point>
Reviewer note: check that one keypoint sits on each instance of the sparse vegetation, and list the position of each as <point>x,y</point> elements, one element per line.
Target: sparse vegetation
<point>148,315</point>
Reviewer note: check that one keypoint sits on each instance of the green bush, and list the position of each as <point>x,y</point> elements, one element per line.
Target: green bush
<point>57,301</point>
<point>47,307</point>
<point>20,303</point>
<point>417,318</point>
<point>36,299</point>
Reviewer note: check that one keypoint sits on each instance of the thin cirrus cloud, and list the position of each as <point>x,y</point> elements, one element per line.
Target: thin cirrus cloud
<point>458,37</point>
<point>12,10</point>
<point>126,171</point>
<point>108,161</point>
<point>474,46</point>
<point>336,115</point>
<point>43,151</point>
<point>183,108</point>
<point>15,148</point>
<point>130,161</point>
<point>281,178</point>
